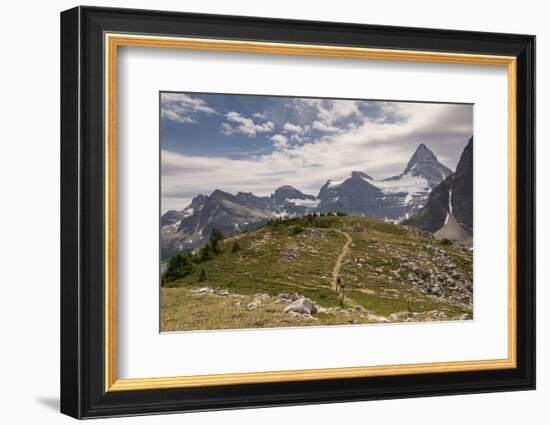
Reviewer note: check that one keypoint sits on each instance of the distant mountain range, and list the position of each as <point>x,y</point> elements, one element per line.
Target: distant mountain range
<point>393,199</point>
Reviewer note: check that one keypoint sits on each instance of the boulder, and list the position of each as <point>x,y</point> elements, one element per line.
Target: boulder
<point>283,298</point>
<point>302,305</point>
<point>253,305</point>
<point>204,290</point>
<point>261,297</point>
<point>437,314</point>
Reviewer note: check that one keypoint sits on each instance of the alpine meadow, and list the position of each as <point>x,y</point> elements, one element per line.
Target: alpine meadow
<point>289,211</point>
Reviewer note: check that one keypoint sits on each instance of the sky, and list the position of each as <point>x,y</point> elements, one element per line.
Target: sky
<point>257,143</point>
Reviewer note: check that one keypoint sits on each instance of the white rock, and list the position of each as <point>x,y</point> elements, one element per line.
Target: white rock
<point>253,305</point>
<point>204,290</point>
<point>302,305</point>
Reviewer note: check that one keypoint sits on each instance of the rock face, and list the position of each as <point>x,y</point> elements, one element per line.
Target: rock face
<point>355,195</point>
<point>289,200</point>
<point>449,210</point>
<point>288,194</point>
<point>432,216</point>
<point>171,217</point>
<point>463,188</point>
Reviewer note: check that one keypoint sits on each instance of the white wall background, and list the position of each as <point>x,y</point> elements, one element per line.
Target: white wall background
<point>29,213</point>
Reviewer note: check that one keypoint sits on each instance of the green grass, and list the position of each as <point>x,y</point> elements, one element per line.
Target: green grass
<point>279,263</point>
<point>298,255</point>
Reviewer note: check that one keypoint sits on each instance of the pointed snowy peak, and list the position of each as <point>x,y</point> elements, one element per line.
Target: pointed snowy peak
<point>424,164</point>
<point>421,156</point>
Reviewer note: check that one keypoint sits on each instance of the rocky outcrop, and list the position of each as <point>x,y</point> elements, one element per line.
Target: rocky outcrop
<point>449,210</point>
<point>302,305</point>
<point>432,216</point>
<point>463,188</point>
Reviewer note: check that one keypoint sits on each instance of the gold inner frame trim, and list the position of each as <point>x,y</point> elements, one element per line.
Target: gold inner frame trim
<point>113,41</point>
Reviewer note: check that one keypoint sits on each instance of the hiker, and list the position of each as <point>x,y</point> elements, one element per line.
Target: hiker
<point>340,289</point>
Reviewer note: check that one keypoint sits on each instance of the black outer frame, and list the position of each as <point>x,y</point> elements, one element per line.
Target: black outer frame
<point>82,203</point>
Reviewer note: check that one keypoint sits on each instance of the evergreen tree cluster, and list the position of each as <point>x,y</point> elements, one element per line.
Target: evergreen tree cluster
<point>181,265</point>
<point>301,222</point>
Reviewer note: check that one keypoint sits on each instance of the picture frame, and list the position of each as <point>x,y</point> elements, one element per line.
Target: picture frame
<point>90,40</point>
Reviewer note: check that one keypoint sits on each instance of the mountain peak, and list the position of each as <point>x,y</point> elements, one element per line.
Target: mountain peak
<point>422,147</point>
<point>286,191</point>
<point>220,194</point>
<point>285,187</point>
<point>199,197</point>
<point>421,155</point>
<point>360,174</point>
<point>424,163</point>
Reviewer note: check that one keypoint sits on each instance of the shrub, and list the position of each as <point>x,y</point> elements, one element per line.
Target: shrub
<point>236,247</point>
<point>445,241</point>
<point>297,229</point>
<point>204,254</point>
<point>215,238</point>
<point>202,276</point>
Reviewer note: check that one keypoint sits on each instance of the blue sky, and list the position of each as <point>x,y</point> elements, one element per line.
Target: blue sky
<point>257,143</point>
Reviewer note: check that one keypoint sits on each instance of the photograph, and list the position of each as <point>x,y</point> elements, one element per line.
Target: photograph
<point>268,211</point>
<point>281,211</point>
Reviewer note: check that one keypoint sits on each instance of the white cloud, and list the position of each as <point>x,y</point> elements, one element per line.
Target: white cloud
<point>332,111</point>
<point>183,108</point>
<point>298,138</point>
<point>317,125</point>
<point>379,148</point>
<point>293,128</point>
<point>280,140</point>
<point>328,111</point>
<point>242,125</point>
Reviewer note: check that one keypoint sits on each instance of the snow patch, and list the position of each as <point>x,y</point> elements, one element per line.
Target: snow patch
<point>407,183</point>
<point>335,183</point>
<point>367,179</point>
<point>304,202</point>
<point>280,215</point>
<point>187,212</point>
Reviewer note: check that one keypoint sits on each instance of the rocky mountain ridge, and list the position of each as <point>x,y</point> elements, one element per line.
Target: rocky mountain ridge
<point>392,199</point>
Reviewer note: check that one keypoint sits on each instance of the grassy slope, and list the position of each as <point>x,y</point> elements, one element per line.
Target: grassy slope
<point>275,260</point>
